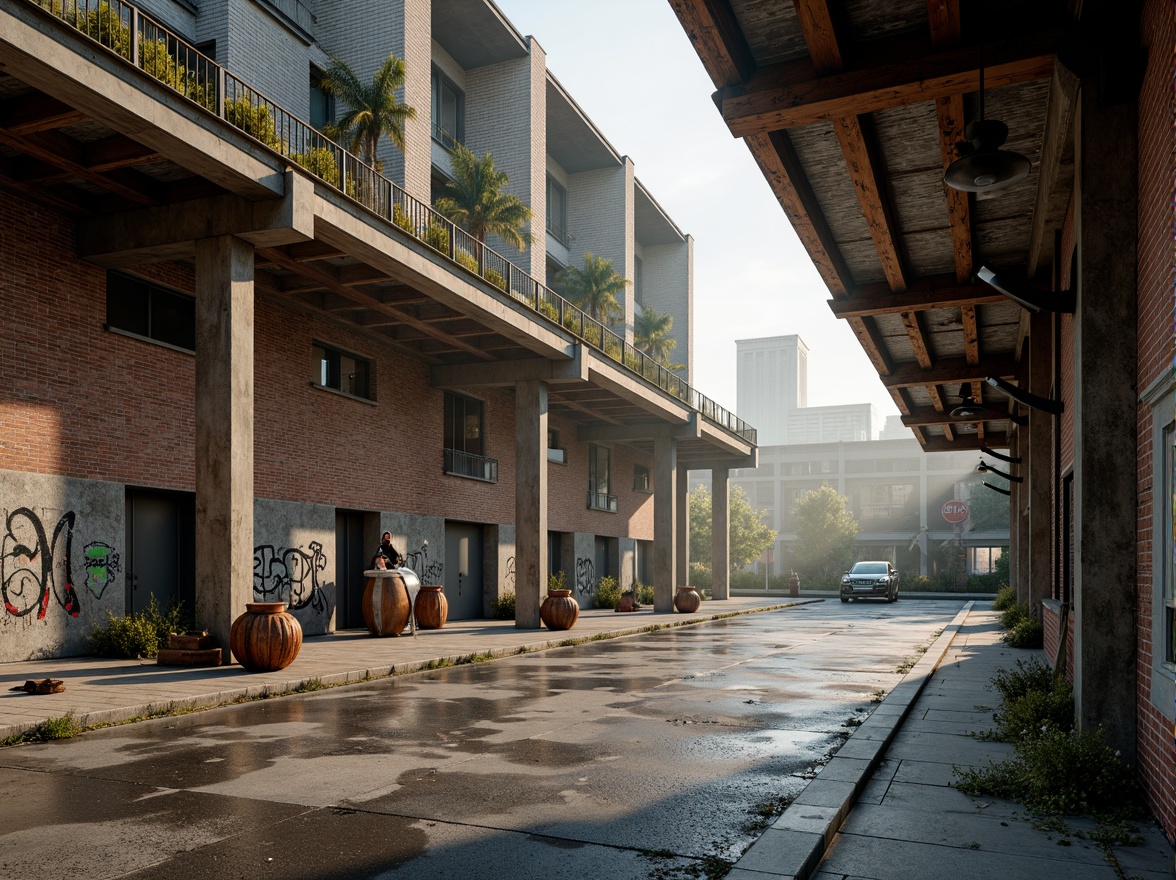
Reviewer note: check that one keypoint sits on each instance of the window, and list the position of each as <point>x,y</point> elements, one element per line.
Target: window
<point>1167,542</point>
<point>555,452</point>
<point>640,478</point>
<point>448,111</point>
<point>465,441</point>
<point>599,480</point>
<point>638,280</point>
<point>139,308</point>
<point>322,105</point>
<point>340,371</point>
<point>557,210</point>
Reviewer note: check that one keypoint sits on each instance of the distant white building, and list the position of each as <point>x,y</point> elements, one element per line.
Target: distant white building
<point>772,380</point>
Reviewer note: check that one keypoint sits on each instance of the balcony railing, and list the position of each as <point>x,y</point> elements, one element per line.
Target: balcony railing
<point>140,40</point>
<point>602,501</point>
<point>444,138</point>
<point>465,464</point>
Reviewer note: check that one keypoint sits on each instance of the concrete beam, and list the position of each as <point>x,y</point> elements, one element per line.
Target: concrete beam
<point>665,485</point>
<point>720,533</point>
<point>224,433</point>
<point>169,232</point>
<point>510,372</point>
<point>530,501</point>
<point>692,430</point>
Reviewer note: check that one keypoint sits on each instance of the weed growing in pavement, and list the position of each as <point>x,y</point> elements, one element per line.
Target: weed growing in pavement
<point>310,686</point>
<point>60,727</point>
<point>764,814</point>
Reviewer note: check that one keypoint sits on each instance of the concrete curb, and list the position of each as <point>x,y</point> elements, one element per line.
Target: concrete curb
<point>796,842</point>
<point>215,697</point>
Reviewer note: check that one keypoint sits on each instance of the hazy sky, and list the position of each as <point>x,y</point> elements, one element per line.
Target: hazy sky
<point>630,66</point>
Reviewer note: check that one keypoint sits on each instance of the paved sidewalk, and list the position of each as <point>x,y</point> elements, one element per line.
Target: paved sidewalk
<point>884,809</point>
<point>100,691</point>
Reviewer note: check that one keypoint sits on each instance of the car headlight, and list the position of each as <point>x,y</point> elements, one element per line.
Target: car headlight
<point>845,579</point>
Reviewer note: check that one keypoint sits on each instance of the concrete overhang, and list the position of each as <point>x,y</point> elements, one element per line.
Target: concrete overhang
<point>69,66</point>
<point>572,139</point>
<point>504,373</point>
<point>652,225</point>
<point>475,33</point>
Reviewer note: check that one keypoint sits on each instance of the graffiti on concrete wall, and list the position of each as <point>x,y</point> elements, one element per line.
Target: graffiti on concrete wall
<point>290,575</point>
<point>428,572</point>
<point>585,576</point>
<point>102,564</point>
<point>508,577</point>
<point>35,568</point>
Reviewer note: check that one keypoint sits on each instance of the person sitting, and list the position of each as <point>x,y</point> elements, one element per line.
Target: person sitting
<point>387,556</point>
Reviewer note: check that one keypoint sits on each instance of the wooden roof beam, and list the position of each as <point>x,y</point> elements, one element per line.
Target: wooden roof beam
<point>964,442</point>
<point>950,371</point>
<point>793,94</point>
<point>37,112</point>
<point>869,302</point>
<point>717,38</point>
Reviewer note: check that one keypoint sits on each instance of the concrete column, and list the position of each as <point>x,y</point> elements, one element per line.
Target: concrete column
<point>1036,468</point>
<point>721,532</point>
<point>224,433</point>
<point>1105,413</point>
<point>682,526</point>
<point>530,501</point>
<point>665,508</point>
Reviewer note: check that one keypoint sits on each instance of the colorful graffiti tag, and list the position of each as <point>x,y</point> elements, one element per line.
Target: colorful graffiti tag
<point>102,564</point>
<point>35,567</point>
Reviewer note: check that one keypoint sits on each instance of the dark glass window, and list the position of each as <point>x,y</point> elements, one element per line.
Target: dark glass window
<point>322,105</point>
<point>341,371</point>
<point>448,110</point>
<point>463,424</point>
<point>557,210</point>
<point>640,478</point>
<point>144,309</point>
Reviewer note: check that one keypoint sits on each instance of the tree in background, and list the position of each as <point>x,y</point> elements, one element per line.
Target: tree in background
<point>594,288</point>
<point>825,532</point>
<point>651,334</point>
<point>749,537</point>
<point>476,202</point>
<point>373,110</point>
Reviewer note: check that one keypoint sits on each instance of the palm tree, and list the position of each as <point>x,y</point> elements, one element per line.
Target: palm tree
<point>373,109</point>
<point>477,203</point>
<point>651,334</point>
<point>594,288</point>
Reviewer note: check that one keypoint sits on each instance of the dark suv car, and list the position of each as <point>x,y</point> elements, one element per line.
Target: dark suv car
<point>870,580</point>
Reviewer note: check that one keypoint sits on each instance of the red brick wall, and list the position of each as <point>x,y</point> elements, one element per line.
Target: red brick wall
<point>1156,753</point>
<point>79,401</point>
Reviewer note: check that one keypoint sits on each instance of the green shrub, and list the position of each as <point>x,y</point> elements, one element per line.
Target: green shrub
<point>1028,675</point>
<point>700,574</point>
<point>1006,598</point>
<point>984,583</point>
<point>592,334</point>
<point>1013,615</point>
<point>254,120</point>
<point>400,218</point>
<point>1035,712</point>
<point>466,261</point>
<point>139,635</point>
<point>919,583</point>
<point>643,592</point>
<point>1027,633</point>
<point>495,278</point>
<point>571,320</point>
<point>437,237</point>
<point>557,581</point>
<point>320,161</point>
<point>608,593</point>
<point>504,607</point>
<point>742,579</point>
<point>548,309</point>
<point>1067,773</point>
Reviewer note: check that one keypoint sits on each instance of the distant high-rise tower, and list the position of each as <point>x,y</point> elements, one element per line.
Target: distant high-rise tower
<point>771,376</point>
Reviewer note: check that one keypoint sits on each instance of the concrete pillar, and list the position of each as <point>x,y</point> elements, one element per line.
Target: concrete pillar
<point>1037,466</point>
<point>682,526</point>
<point>665,508</point>
<point>1105,413</point>
<point>224,433</point>
<point>530,501</point>
<point>721,532</point>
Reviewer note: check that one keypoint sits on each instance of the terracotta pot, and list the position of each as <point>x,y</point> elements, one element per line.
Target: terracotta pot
<point>266,637</point>
<point>559,610</point>
<point>432,608</point>
<point>687,600</point>
<point>385,603</point>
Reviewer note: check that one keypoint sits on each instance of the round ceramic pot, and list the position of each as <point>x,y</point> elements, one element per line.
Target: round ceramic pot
<point>385,605</point>
<point>432,609</point>
<point>687,600</point>
<point>559,610</point>
<point>266,637</point>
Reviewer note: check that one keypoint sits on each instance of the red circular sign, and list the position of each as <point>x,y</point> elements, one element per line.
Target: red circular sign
<point>955,511</point>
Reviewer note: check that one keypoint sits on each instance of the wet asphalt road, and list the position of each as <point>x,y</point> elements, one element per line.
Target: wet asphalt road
<point>653,756</point>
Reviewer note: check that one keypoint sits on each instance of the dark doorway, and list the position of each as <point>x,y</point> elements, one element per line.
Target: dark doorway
<point>350,562</point>
<point>603,554</point>
<point>161,549</point>
<point>463,570</point>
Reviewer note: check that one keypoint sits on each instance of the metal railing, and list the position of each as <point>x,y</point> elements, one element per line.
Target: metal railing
<point>162,54</point>
<point>602,501</point>
<point>465,464</point>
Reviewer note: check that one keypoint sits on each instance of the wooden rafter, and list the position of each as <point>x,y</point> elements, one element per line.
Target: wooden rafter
<point>37,112</point>
<point>966,441</point>
<point>793,94</point>
<point>950,371</point>
<point>718,39</point>
<point>866,302</point>
<point>66,154</point>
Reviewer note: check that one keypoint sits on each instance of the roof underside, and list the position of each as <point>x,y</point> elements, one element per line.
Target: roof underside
<point>853,110</point>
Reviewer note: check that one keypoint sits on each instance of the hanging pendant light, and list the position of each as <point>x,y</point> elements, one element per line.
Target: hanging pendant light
<point>983,166</point>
